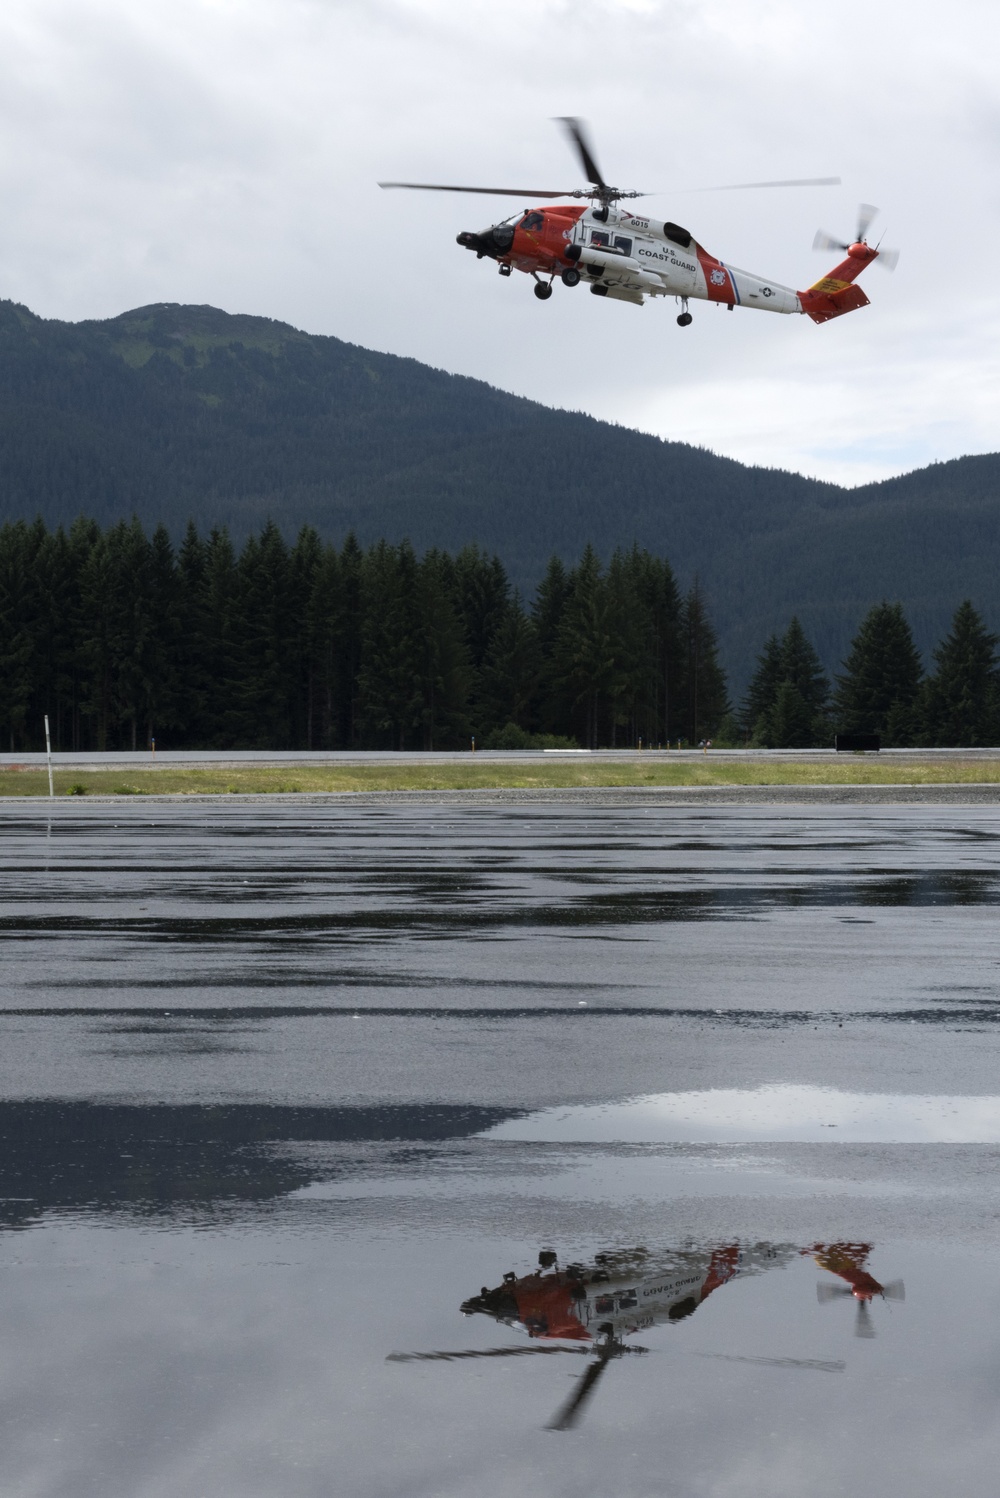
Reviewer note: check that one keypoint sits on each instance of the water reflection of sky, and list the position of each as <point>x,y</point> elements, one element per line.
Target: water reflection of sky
<point>282,1089</point>
<point>769,1113</point>
<point>249,1355</point>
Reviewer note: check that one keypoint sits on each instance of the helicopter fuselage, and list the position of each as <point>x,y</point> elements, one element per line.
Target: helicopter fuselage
<point>628,257</point>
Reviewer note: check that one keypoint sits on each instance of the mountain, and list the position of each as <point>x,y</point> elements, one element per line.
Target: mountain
<point>172,412</point>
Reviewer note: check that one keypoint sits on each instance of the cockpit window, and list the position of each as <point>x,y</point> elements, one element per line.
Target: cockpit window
<point>620,242</point>
<point>532,221</point>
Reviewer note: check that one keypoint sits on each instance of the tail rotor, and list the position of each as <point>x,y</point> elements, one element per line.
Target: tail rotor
<point>866,213</point>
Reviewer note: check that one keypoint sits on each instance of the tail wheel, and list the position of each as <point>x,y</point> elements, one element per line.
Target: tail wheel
<point>543,290</point>
<point>685,320</point>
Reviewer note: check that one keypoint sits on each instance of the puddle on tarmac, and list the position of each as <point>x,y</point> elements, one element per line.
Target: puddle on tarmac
<point>792,1113</point>
<point>320,1174</point>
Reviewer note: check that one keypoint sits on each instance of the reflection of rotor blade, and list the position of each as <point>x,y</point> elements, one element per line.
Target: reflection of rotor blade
<point>894,1290</point>
<point>571,1410</point>
<point>866,212</point>
<point>864,1326</point>
<point>493,192</point>
<point>574,129</point>
<point>479,1352</point>
<point>819,1365</point>
<point>825,1292</point>
<point>790,182</point>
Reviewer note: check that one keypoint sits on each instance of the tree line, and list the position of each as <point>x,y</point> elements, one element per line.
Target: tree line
<point>121,639</point>
<point>882,688</point>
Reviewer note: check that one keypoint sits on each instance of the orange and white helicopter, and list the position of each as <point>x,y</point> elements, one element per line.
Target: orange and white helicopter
<point>590,1309</point>
<point>628,257</point>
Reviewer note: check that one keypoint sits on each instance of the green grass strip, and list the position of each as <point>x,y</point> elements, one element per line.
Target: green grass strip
<point>486,775</point>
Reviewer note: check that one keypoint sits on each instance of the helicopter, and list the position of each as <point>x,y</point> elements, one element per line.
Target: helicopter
<point>630,257</point>
<point>848,1260</point>
<point>590,1310</point>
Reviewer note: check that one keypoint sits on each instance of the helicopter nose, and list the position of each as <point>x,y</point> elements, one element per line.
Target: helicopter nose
<point>495,241</point>
<point>498,1303</point>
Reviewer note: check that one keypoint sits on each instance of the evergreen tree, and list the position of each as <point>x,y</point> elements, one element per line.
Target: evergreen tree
<point>882,674</point>
<point>350,625</point>
<point>790,722</point>
<point>706,700</point>
<point>19,608</point>
<point>802,667</point>
<point>322,650</point>
<point>511,672</point>
<point>553,706</point>
<point>663,700</point>
<point>633,642</point>
<point>262,689</point>
<point>786,699</point>
<point>304,631</point>
<point>762,691</point>
<point>218,615</point>
<point>960,705</point>
<point>584,656</point>
<point>163,696</point>
<point>447,672</point>
<point>390,679</point>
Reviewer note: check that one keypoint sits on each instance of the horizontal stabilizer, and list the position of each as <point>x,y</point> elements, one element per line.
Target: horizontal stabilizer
<point>821,304</point>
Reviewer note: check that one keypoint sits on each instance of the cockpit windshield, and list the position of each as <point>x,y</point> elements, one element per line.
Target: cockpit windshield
<point>532,221</point>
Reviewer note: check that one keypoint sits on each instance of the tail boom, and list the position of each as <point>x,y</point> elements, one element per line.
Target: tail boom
<point>835,293</point>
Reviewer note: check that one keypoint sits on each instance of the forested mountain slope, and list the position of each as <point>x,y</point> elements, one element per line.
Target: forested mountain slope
<point>171,412</point>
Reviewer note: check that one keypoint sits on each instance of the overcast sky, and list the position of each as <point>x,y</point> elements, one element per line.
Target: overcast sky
<point>228,151</point>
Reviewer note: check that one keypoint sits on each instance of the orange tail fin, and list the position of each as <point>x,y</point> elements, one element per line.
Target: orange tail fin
<point>835,293</point>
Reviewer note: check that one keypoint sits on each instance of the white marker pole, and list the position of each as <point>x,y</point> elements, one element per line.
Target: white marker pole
<point>48,753</point>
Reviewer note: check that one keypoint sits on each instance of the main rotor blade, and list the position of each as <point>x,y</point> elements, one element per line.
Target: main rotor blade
<point>819,1365</point>
<point>790,182</point>
<point>574,129</point>
<point>495,192</point>
<point>573,1408</point>
<point>480,1352</point>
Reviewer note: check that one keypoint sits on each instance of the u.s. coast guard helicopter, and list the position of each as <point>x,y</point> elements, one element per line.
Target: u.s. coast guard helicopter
<point>628,257</point>
<point>591,1309</point>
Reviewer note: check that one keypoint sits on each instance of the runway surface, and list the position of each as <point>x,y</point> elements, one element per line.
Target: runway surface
<point>284,1085</point>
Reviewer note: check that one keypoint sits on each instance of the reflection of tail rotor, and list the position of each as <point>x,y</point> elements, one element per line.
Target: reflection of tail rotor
<point>864,1326</point>
<point>825,1292</point>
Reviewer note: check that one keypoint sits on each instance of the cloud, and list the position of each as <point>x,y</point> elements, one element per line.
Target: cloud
<point>228,151</point>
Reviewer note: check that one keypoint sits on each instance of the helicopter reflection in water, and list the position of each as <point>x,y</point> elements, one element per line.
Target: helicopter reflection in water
<point>848,1261</point>
<point>590,1310</point>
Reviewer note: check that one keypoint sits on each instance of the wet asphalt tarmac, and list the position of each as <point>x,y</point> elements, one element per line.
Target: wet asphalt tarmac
<point>285,1084</point>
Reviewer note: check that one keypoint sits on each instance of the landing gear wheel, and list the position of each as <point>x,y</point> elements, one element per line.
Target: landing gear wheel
<point>543,290</point>
<point>570,276</point>
<point>685,320</point>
